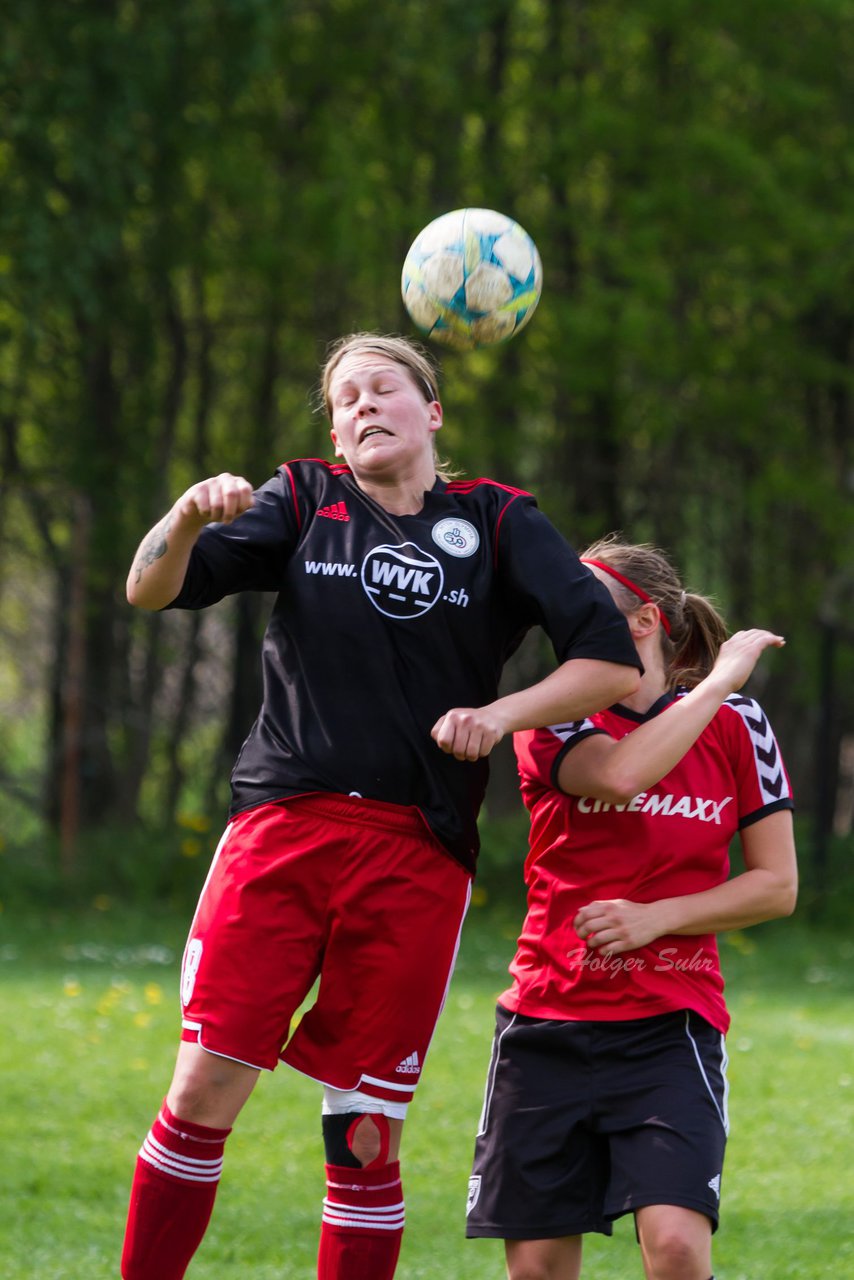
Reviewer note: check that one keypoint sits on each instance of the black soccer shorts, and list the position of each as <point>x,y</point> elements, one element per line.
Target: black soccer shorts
<point>585,1121</point>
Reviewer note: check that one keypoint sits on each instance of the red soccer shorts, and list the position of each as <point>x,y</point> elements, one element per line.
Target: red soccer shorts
<point>355,892</point>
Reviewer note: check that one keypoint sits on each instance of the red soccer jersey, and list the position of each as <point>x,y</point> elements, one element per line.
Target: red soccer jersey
<point>670,840</point>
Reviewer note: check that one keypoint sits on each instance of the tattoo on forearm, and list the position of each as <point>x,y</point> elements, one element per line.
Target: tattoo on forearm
<point>153,546</point>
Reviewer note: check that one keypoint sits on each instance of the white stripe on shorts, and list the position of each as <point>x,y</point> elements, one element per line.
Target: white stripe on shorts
<point>722,1111</point>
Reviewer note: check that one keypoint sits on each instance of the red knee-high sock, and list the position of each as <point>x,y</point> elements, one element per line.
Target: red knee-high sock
<point>171,1198</point>
<point>362,1223</point>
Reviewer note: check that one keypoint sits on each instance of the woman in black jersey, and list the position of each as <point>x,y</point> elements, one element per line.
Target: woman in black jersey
<point>352,834</point>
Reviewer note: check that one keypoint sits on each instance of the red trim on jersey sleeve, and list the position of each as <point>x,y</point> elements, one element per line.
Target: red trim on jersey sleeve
<point>292,482</point>
<point>466,486</point>
<point>335,467</point>
<point>502,513</point>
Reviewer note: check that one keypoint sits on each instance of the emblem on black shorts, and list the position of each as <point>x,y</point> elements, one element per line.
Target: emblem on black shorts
<point>474,1193</point>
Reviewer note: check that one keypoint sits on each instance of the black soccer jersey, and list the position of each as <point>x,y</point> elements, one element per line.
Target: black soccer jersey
<point>382,623</point>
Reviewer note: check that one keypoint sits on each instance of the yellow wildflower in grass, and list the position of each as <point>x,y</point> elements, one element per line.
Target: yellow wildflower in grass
<point>107,1004</point>
<point>102,902</point>
<point>191,847</point>
<point>142,1020</point>
<point>71,988</point>
<point>153,993</point>
<point>113,996</point>
<point>194,822</point>
<point>740,942</point>
<point>479,897</point>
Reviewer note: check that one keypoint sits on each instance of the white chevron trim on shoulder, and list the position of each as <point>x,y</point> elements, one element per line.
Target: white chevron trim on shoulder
<point>570,728</point>
<point>769,765</point>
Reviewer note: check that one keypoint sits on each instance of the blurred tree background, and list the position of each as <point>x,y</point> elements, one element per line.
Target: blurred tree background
<point>198,195</point>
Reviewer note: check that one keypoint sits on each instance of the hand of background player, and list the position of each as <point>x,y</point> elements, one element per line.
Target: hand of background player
<point>221,498</point>
<point>617,925</point>
<point>468,733</point>
<point>739,655</point>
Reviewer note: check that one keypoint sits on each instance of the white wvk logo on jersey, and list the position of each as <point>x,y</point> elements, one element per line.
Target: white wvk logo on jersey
<point>402,581</point>
<point>474,1193</point>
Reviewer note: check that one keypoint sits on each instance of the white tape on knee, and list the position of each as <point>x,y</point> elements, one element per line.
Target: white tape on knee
<point>338,1102</point>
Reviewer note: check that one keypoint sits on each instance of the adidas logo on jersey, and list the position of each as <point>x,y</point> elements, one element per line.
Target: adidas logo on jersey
<point>335,511</point>
<point>410,1066</point>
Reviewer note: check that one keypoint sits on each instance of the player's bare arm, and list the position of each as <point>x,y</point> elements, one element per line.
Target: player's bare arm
<point>160,564</point>
<point>618,771</point>
<point>765,890</point>
<point>576,689</point>
<point>153,546</point>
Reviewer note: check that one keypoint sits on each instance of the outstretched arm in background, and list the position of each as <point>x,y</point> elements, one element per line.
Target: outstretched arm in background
<point>617,771</point>
<point>575,690</point>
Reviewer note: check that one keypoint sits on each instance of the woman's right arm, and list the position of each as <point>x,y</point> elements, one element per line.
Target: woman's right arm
<point>160,564</point>
<point>617,771</point>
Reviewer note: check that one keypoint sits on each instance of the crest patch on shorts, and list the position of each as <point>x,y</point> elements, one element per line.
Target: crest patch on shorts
<point>192,959</point>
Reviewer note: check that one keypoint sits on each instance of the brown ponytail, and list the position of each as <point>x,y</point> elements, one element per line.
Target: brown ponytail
<point>697,630</point>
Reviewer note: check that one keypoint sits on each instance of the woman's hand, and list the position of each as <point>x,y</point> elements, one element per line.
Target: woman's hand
<point>219,499</point>
<point>739,655</point>
<point>617,925</point>
<point>468,733</point>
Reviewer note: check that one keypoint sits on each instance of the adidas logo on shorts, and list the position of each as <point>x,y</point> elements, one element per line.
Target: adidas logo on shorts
<point>410,1066</point>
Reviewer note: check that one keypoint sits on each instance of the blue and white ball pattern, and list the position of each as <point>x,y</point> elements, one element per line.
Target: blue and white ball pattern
<point>472,278</point>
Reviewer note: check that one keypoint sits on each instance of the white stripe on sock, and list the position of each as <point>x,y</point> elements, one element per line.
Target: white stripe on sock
<point>345,1216</point>
<point>177,1166</point>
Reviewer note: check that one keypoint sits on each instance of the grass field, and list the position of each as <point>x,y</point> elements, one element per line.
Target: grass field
<point>90,1026</point>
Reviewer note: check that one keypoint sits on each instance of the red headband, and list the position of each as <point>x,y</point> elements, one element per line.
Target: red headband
<point>632,586</point>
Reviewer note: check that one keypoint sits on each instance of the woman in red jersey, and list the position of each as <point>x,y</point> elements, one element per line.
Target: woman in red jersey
<point>352,833</point>
<point>607,1092</point>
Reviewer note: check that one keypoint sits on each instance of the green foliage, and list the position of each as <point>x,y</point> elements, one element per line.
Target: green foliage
<point>140,867</point>
<point>197,198</point>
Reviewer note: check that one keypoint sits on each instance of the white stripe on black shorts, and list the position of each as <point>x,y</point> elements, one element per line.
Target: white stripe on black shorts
<point>585,1121</point>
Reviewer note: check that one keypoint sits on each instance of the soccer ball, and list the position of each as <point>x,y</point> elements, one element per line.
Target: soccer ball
<point>472,278</point>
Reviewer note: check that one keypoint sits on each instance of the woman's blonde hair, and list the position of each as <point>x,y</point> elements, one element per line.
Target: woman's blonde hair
<point>697,630</point>
<point>411,355</point>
